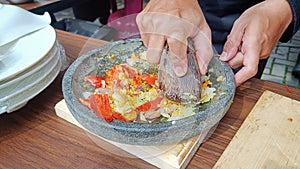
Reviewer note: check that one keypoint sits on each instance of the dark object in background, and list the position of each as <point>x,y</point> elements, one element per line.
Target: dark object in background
<point>86,28</point>
<point>90,10</point>
<point>296,70</point>
<point>86,12</point>
<point>107,11</point>
<point>123,19</point>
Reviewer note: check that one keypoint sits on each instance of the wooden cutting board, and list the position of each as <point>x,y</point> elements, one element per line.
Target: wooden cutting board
<point>173,156</point>
<point>269,138</point>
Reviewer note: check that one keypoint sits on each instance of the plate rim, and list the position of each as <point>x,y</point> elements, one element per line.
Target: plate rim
<point>36,67</point>
<point>50,31</point>
<point>36,80</point>
<point>17,104</point>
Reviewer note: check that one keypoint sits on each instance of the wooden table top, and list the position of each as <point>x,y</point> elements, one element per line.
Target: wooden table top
<point>34,137</point>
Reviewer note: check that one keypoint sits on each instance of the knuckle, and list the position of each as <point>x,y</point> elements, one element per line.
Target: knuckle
<point>252,70</point>
<point>171,41</point>
<point>139,18</point>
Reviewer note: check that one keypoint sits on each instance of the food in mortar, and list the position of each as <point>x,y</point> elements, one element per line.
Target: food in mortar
<point>130,94</point>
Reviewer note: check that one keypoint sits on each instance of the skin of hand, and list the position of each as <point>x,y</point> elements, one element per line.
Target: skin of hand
<point>254,35</point>
<point>173,22</point>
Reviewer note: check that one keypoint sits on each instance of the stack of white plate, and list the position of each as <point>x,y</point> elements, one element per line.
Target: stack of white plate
<point>27,66</point>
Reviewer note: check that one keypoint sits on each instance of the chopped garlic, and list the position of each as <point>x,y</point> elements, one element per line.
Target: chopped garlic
<point>221,79</point>
<point>207,94</point>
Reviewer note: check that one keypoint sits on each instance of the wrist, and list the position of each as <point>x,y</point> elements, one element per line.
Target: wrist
<point>282,9</point>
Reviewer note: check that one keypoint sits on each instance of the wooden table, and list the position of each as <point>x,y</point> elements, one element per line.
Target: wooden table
<point>34,137</point>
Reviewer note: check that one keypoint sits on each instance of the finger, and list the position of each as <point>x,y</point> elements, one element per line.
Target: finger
<point>204,51</point>
<point>250,62</point>
<point>236,61</point>
<point>145,26</point>
<point>144,22</point>
<point>139,19</point>
<point>244,74</point>
<point>145,38</point>
<point>178,52</point>
<point>233,42</point>
<point>155,47</point>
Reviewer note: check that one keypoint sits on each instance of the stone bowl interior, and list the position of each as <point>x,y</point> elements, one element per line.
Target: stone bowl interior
<point>98,61</point>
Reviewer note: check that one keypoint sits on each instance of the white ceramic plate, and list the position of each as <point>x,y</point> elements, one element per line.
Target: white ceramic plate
<point>16,22</point>
<point>5,50</point>
<point>11,88</point>
<point>21,77</point>
<point>23,96</point>
<point>29,50</point>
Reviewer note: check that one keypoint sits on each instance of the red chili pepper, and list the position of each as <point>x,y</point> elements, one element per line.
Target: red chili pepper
<point>137,80</point>
<point>150,79</point>
<point>288,89</point>
<point>129,70</point>
<point>101,106</point>
<point>95,80</point>
<point>110,75</point>
<point>118,116</point>
<point>144,107</point>
<point>85,102</point>
<point>151,105</point>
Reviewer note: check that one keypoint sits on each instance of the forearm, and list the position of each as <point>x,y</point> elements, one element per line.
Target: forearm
<point>281,10</point>
<point>295,24</point>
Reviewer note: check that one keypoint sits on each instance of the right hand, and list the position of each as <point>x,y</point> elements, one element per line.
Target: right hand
<point>172,22</point>
<point>254,35</point>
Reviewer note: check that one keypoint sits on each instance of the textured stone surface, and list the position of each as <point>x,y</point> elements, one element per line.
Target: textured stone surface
<point>205,117</point>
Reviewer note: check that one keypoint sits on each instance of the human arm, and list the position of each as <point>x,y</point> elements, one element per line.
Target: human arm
<point>253,36</point>
<point>295,25</point>
<point>172,22</point>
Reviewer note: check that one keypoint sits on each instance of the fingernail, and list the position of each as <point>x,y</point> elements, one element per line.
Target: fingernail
<point>223,55</point>
<point>179,71</point>
<point>203,69</point>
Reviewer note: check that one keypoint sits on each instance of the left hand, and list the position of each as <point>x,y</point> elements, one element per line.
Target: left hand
<point>254,35</point>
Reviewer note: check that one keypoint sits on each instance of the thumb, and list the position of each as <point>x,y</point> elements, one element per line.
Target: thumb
<point>233,43</point>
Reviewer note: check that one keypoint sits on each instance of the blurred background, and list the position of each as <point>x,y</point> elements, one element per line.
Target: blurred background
<point>279,67</point>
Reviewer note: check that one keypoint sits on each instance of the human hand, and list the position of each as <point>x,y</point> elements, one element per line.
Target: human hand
<point>173,22</point>
<point>253,36</point>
